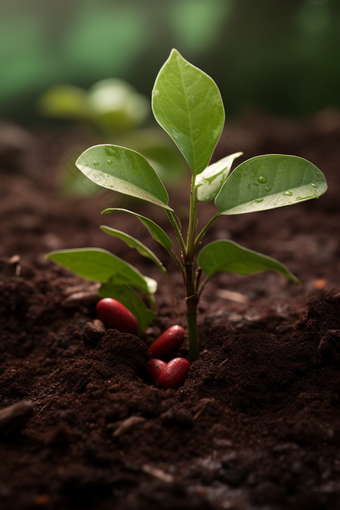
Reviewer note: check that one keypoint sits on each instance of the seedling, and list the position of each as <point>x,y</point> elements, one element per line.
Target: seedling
<point>188,105</point>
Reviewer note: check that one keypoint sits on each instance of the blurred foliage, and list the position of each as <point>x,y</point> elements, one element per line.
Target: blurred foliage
<point>281,56</point>
<point>111,104</point>
<point>117,112</point>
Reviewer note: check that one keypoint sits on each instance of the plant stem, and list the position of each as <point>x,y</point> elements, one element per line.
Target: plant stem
<point>190,277</point>
<point>201,287</point>
<point>204,230</point>
<point>177,230</point>
<point>192,221</point>
<point>193,336</point>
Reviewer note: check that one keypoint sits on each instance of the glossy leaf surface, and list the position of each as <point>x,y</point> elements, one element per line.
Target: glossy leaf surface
<point>156,232</point>
<point>270,181</point>
<point>128,297</point>
<point>102,266</point>
<point>134,243</point>
<point>187,104</point>
<point>125,171</point>
<point>210,181</point>
<point>230,257</point>
<point>163,155</point>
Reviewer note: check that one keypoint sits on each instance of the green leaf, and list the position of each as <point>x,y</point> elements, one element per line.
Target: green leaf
<point>131,301</point>
<point>102,266</point>
<point>134,243</point>
<point>125,171</point>
<point>156,146</point>
<point>230,257</point>
<point>210,181</point>
<point>270,181</point>
<point>187,104</point>
<point>157,233</point>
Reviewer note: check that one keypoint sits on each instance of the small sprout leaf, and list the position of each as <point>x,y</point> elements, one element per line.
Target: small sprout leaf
<point>134,243</point>
<point>210,181</point>
<point>125,171</point>
<point>157,233</point>
<point>152,285</point>
<point>102,266</point>
<point>128,297</point>
<point>268,182</point>
<point>187,104</point>
<point>230,257</point>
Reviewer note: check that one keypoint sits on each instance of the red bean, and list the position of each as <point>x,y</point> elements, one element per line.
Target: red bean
<point>116,316</point>
<point>155,366</point>
<point>174,374</point>
<point>168,342</point>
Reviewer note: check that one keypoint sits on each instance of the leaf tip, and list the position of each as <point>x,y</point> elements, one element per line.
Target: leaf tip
<point>174,52</point>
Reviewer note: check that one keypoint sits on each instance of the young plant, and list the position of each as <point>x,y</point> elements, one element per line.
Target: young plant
<point>188,105</point>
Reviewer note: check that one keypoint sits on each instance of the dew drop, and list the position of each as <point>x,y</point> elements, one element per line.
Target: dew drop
<point>262,180</point>
<point>259,201</point>
<point>288,193</point>
<point>109,162</point>
<point>95,163</point>
<point>156,92</point>
<point>267,188</point>
<point>314,185</point>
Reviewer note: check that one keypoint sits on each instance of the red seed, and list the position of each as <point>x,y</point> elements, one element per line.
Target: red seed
<point>155,366</point>
<point>168,342</point>
<point>174,374</point>
<point>116,316</point>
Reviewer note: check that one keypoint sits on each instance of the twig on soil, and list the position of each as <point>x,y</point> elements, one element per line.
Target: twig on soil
<point>15,417</point>
<point>128,424</point>
<point>158,473</point>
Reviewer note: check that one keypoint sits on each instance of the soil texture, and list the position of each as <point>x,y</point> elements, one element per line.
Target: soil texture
<point>256,425</point>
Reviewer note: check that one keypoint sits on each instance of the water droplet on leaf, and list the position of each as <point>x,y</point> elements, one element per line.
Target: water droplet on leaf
<point>288,193</point>
<point>262,180</point>
<point>314,185</point>
<point>259,201</point>
<point>109,162</point>
<point>267,188</point>
<point>96,163</point>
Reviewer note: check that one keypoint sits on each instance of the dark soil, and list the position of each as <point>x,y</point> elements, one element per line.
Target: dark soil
<point>256,425</point>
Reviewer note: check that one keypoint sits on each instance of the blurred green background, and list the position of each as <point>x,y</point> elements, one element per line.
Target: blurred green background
<point>280,56</point>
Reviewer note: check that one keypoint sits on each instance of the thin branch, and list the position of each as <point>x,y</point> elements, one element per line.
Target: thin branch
<point>178,233</point>
<point>204,230</point>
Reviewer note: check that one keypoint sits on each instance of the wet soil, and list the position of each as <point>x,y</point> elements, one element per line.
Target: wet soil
<point>256,425</point>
